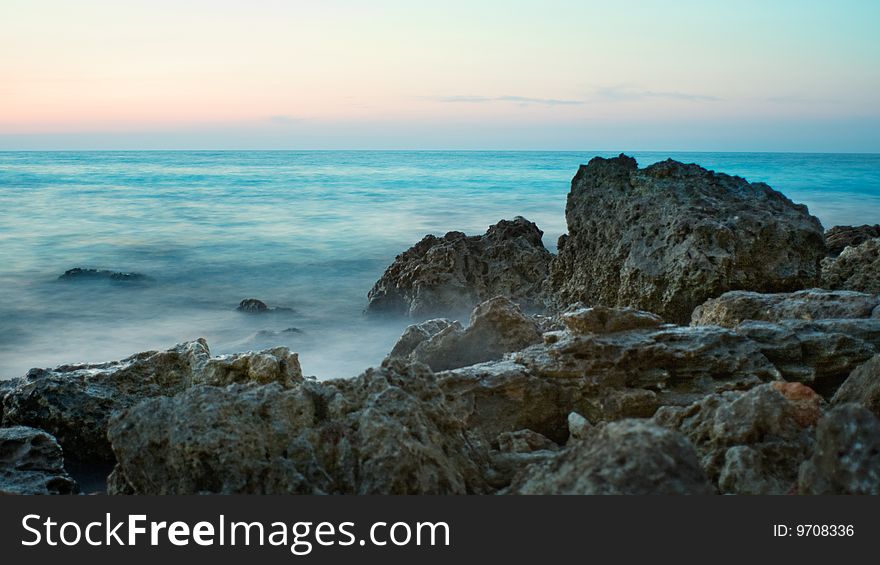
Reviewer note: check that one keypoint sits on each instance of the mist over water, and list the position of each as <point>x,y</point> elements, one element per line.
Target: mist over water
<point>311,231</point>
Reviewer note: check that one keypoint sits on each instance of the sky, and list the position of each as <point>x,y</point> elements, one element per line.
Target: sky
<point>769,75</point>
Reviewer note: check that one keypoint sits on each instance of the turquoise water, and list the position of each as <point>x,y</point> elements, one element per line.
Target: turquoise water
<point>310,231</point>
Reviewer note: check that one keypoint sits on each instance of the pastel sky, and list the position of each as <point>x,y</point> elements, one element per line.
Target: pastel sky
<point>746,75</point>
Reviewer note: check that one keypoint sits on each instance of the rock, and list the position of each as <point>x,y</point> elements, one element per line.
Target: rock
<point>732,308</point>
<point>602,319</point>
<point>387,431</point>
<point>839,238</point>
<point>749,442</point>
<point>277,365</point>
<point>73,402</point>
<point>496,327</point>
<point>856,268</point>
<point>847,455</point>
<point>806,404</point>
<point>667,237</point>
<point>252,305</point>
<point>31,462</point>
<point>578,426</point>
<point>862,387</point>
<point>626,457</point>
<point>449,275</point>
<point>415,334</point>
<point>80,274</point>
<point>820,353</point>
<point>524,441</point>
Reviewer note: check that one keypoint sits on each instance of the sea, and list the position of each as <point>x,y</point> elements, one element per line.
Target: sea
<point>307,232</point>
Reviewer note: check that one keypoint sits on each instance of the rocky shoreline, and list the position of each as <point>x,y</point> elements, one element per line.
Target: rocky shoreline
<point>694,334</point>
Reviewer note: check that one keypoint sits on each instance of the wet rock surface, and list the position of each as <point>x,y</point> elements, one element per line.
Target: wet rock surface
<point>449,275</point>
<point>80,274</point>
<point>839,238</point>
<point>667,237</point>
<point>856,268</point>
<point>31,462</point>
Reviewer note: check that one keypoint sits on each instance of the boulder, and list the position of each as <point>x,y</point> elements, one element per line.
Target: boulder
<point>846,459</point>
<point>277,365</point>
<point>387,431</point>
<point>416,334</point>
<point>449,275</point>
<point>625,457</point>
<point>602,320</point>
<point>668,237</point>
<point>732,308</point>
<point>525,441</point>
<point>749,442</point>
<point>839,238</point>
<point>862,387</point>
<point>31,462</point>
<point>496,327</point>
<point>856,268</point>
<point>252,305</point>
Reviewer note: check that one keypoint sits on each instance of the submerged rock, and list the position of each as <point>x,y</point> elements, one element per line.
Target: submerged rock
<point>31,462</point>
<point>750,442</point>
<point>80,274</point>
<point>667,237</point>
<point>255,306</point>
<point>732,308</point>
<point>839,238</point>
<point>387,431</point>
<point>451,274</point>
<point>496,327</point>
<point>625,457</point>
<point>847,455</point>
<point>862,387</point>
<point>856,268</point>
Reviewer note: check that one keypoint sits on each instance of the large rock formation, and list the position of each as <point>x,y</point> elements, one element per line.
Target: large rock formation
<point>496,327</point>
<point>74,402</point>
<point>626,457</point>
<point>31,462</point>
<point>847,454</point>
<point>750,442</point>
<point>387,431</point>
<point>856,268</point>
<point>732,308</point>
<point>449,275</point>
<point>667,237</point>
<point>862,387</point>
<point>839,238</point>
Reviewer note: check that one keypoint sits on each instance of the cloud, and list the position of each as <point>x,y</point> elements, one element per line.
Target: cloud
<point>521,100</point>
<point>625,93</point>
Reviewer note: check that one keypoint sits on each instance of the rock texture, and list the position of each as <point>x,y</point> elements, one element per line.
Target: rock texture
<point>31,462</point>
<point>847,455</point>
<point>449,275</point>
<point>496,327</point>
<point>862,387</point>
<point>387,431</point>
<point>416,334</point>
<point>732,308</point>
<point>856,268</point>
<point>750,442</point>
<point>626,457</point>
<point>74,402</point>
<point>839,238</point>
<point>667,237</point>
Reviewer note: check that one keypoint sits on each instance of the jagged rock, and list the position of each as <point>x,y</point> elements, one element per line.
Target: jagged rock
<point>578,426</point>
<point>846,459</point>
<point>524,441</point>
<point>80,274</point>
<point>839,238</point>
<point>496,327</point>
<point>732,308</point>
<point>749,442</point>
<point>31,462</point>
<point>856,268</point>
<point>820,353</point>
<point>667,237</point>
<point>277,365</point>
<point>387,431</point>
<point>74,402</point>
<point>415,334</point>
<point>602,319</point>
<point>862,387</point>
<point>625,457</point>
<point>449,275</point>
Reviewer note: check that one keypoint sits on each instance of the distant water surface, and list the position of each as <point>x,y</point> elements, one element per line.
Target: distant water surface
<point>309,231</point>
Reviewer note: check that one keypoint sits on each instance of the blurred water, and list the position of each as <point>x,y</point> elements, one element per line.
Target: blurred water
<point>306,230</point>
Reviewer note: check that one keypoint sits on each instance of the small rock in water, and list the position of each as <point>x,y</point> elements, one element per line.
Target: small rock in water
<point>78,274</point>
<point>252,305</point>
